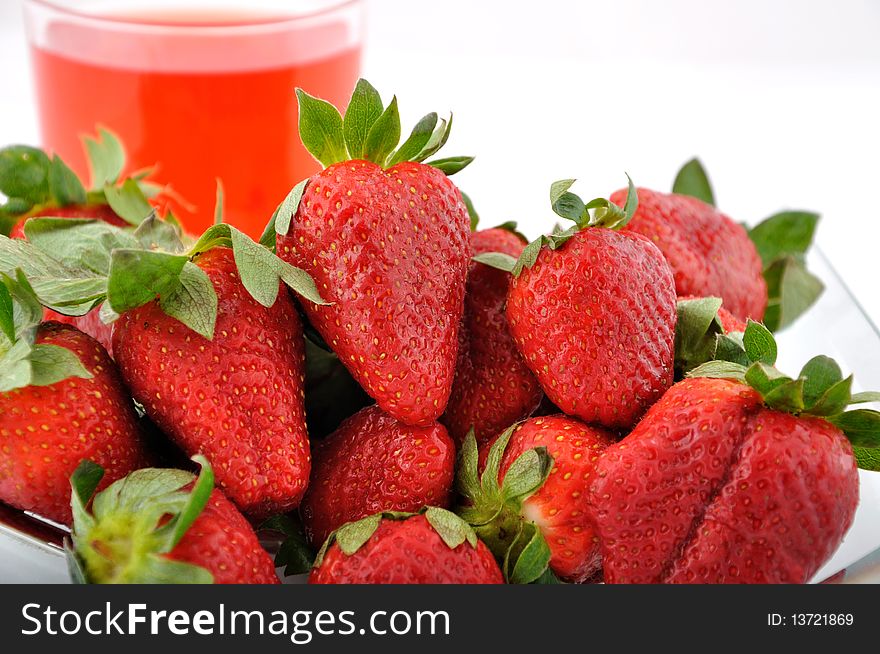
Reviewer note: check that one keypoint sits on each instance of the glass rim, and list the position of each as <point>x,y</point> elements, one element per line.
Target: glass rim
<point>330,7</point>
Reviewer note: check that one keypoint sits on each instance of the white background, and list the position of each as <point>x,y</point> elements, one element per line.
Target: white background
<point>779,98</point>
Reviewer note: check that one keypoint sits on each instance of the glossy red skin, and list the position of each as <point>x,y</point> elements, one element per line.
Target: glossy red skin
<point>559,507</point>
<point>222,541</point>
<point>90,323</point>
<point>374,463</point>
<point>389,249</point>
<point>709,253</point>
<point>46,431</point>
<point>493,387</point>
<point>712,487</point>
<point>595,322</point>
<point>729,322</point>
<point>237,399</point>
<point>408,552</point>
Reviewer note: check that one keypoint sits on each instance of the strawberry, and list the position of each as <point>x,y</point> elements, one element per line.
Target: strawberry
<point>238,398</point>
<point>52,190</point>
<point>592,310</point>
<point>61,401</point>
<point>386,239</point>
<point>374,463</point>
<point>531,497</point>
<point>493,387</point>
<point>758,273</point>
<point>710,254</point>
<point>203,338</point>
<point>162,526</point>
<point>749,478</point>
<point>434,547</point>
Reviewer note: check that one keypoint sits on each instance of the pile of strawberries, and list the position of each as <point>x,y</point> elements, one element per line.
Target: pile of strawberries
<point>406,398</point>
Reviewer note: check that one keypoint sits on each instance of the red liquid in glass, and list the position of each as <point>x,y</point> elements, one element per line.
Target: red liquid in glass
<point>238,125</point>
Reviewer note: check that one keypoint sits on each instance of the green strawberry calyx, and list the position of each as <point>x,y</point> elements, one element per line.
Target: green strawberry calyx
<point>33,182</point>
<point>76,266</point>
<point>697,331</point>
<point>495,510</point>
<point>370,131</point>
<point>353,535</point>
<point>23,361</point>
<point>782,242</point>
<point>599,212</point>
<point>134,523</point>
<point>819,390</point>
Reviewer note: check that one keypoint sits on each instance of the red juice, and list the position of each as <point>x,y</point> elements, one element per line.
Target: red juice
<point>198,96</point>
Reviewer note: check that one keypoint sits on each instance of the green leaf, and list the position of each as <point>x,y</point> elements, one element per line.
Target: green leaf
<point>559,188</point>
<point>198,499</point>
<point>158,569</point>
<point>363,111</point>
<point>140,276</point>
<point>79,243</point>
<point>532,560</point>
<point>106,158</point>
<point>268,238</point>
<point>529,256</point>
<point>696,332</point>
<point>353,535</point>
<point>24,174</point>
<point>489,480</point>
<point>472,212</point>
<point>192,301</point>
<point>156,234</point>
<point>416,141</point>
<point>450,165</point>
<point>498,260</point>
<point>729,347</point>
<point>294,554</point>
<point>300,282</point>
<point>256,268</point>
<point>52,363</point>
<point>789,233</point>
<point>289,207</point>
<point>83,483</point>
<point>467,481</point>
<point>218,203</point>
<point>64,186</point>
<point>128,202</point>
<point>866,396</point>
<point>868,458</point>
<point>791,290</point>
<point>786,397</point>
<point>834,400</point>
<point>15,367</point>
<point>438,139</point>
<point>570,207</point>
<point>861,426</point>
<point>526,474</point>
<point>819,373</point>
<point>765,378</point>
<point>692,180</point>
<point>384,135</point>
<point>453,530</point>
<point>320,128</point>
<point>548,578</point>
<point>759,343</point>
<point>719,370</point>
<point>7,315</point>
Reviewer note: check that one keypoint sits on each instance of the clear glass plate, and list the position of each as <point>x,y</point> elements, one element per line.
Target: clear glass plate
<point>30,551</point>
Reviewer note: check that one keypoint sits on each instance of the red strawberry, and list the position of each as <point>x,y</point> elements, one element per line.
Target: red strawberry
<point>558,505</point>
<point>238,398</point>
<point>126,540</point>
<point>46,430</point>
<point>430,548</point>
<point>720,484</point>
<point>374,463</point>
<point>708,252</point>
<point>493,387</point>
<point>386,240</point>
<point>593,314</point>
